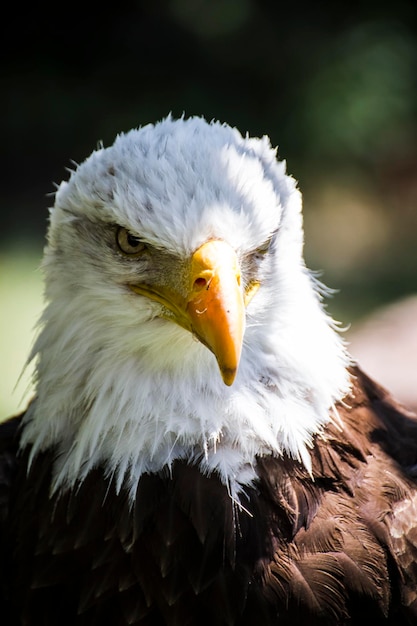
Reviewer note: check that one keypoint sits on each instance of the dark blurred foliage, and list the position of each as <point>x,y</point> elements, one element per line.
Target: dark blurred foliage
<point>333,84</point>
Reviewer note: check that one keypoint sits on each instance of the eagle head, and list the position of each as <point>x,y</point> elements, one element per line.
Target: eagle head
<point>180,320</point>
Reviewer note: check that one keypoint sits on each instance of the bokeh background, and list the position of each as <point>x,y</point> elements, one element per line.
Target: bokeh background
<point>334,85</point>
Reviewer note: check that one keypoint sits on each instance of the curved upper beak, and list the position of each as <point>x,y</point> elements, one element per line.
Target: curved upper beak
<point>216,306</point>
<point>213,308</point>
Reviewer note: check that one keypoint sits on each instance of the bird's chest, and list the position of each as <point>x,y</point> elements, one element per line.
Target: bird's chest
<point>90,556</point>
<point>182,550</point>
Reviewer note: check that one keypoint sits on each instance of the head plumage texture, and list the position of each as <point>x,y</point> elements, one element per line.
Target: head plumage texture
<point>125,379</point>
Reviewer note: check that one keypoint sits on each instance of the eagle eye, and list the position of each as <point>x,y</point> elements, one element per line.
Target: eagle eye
<point>129,243</point>
<point>264,248</point>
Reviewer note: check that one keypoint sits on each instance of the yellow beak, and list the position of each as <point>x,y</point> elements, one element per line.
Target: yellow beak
<point>214,306</point>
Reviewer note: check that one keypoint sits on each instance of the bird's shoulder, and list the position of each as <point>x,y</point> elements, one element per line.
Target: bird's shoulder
<point>353,522</point>
<point>387,486</point>
<point>9,443</point>
<point>9,430</point>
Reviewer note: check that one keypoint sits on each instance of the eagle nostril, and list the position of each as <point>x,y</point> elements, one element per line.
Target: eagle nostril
<point>200,283</point>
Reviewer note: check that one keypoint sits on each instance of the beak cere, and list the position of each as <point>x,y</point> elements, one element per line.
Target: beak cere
<point>215,305</point>
<point>213,308</point>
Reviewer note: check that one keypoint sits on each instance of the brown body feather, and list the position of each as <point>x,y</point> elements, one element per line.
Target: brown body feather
<point>335,548</point>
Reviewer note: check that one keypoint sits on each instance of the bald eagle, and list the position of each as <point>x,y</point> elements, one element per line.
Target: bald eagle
<point>201,448</point>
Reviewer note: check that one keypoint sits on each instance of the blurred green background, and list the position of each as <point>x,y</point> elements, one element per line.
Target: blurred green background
<point>332,84</point>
